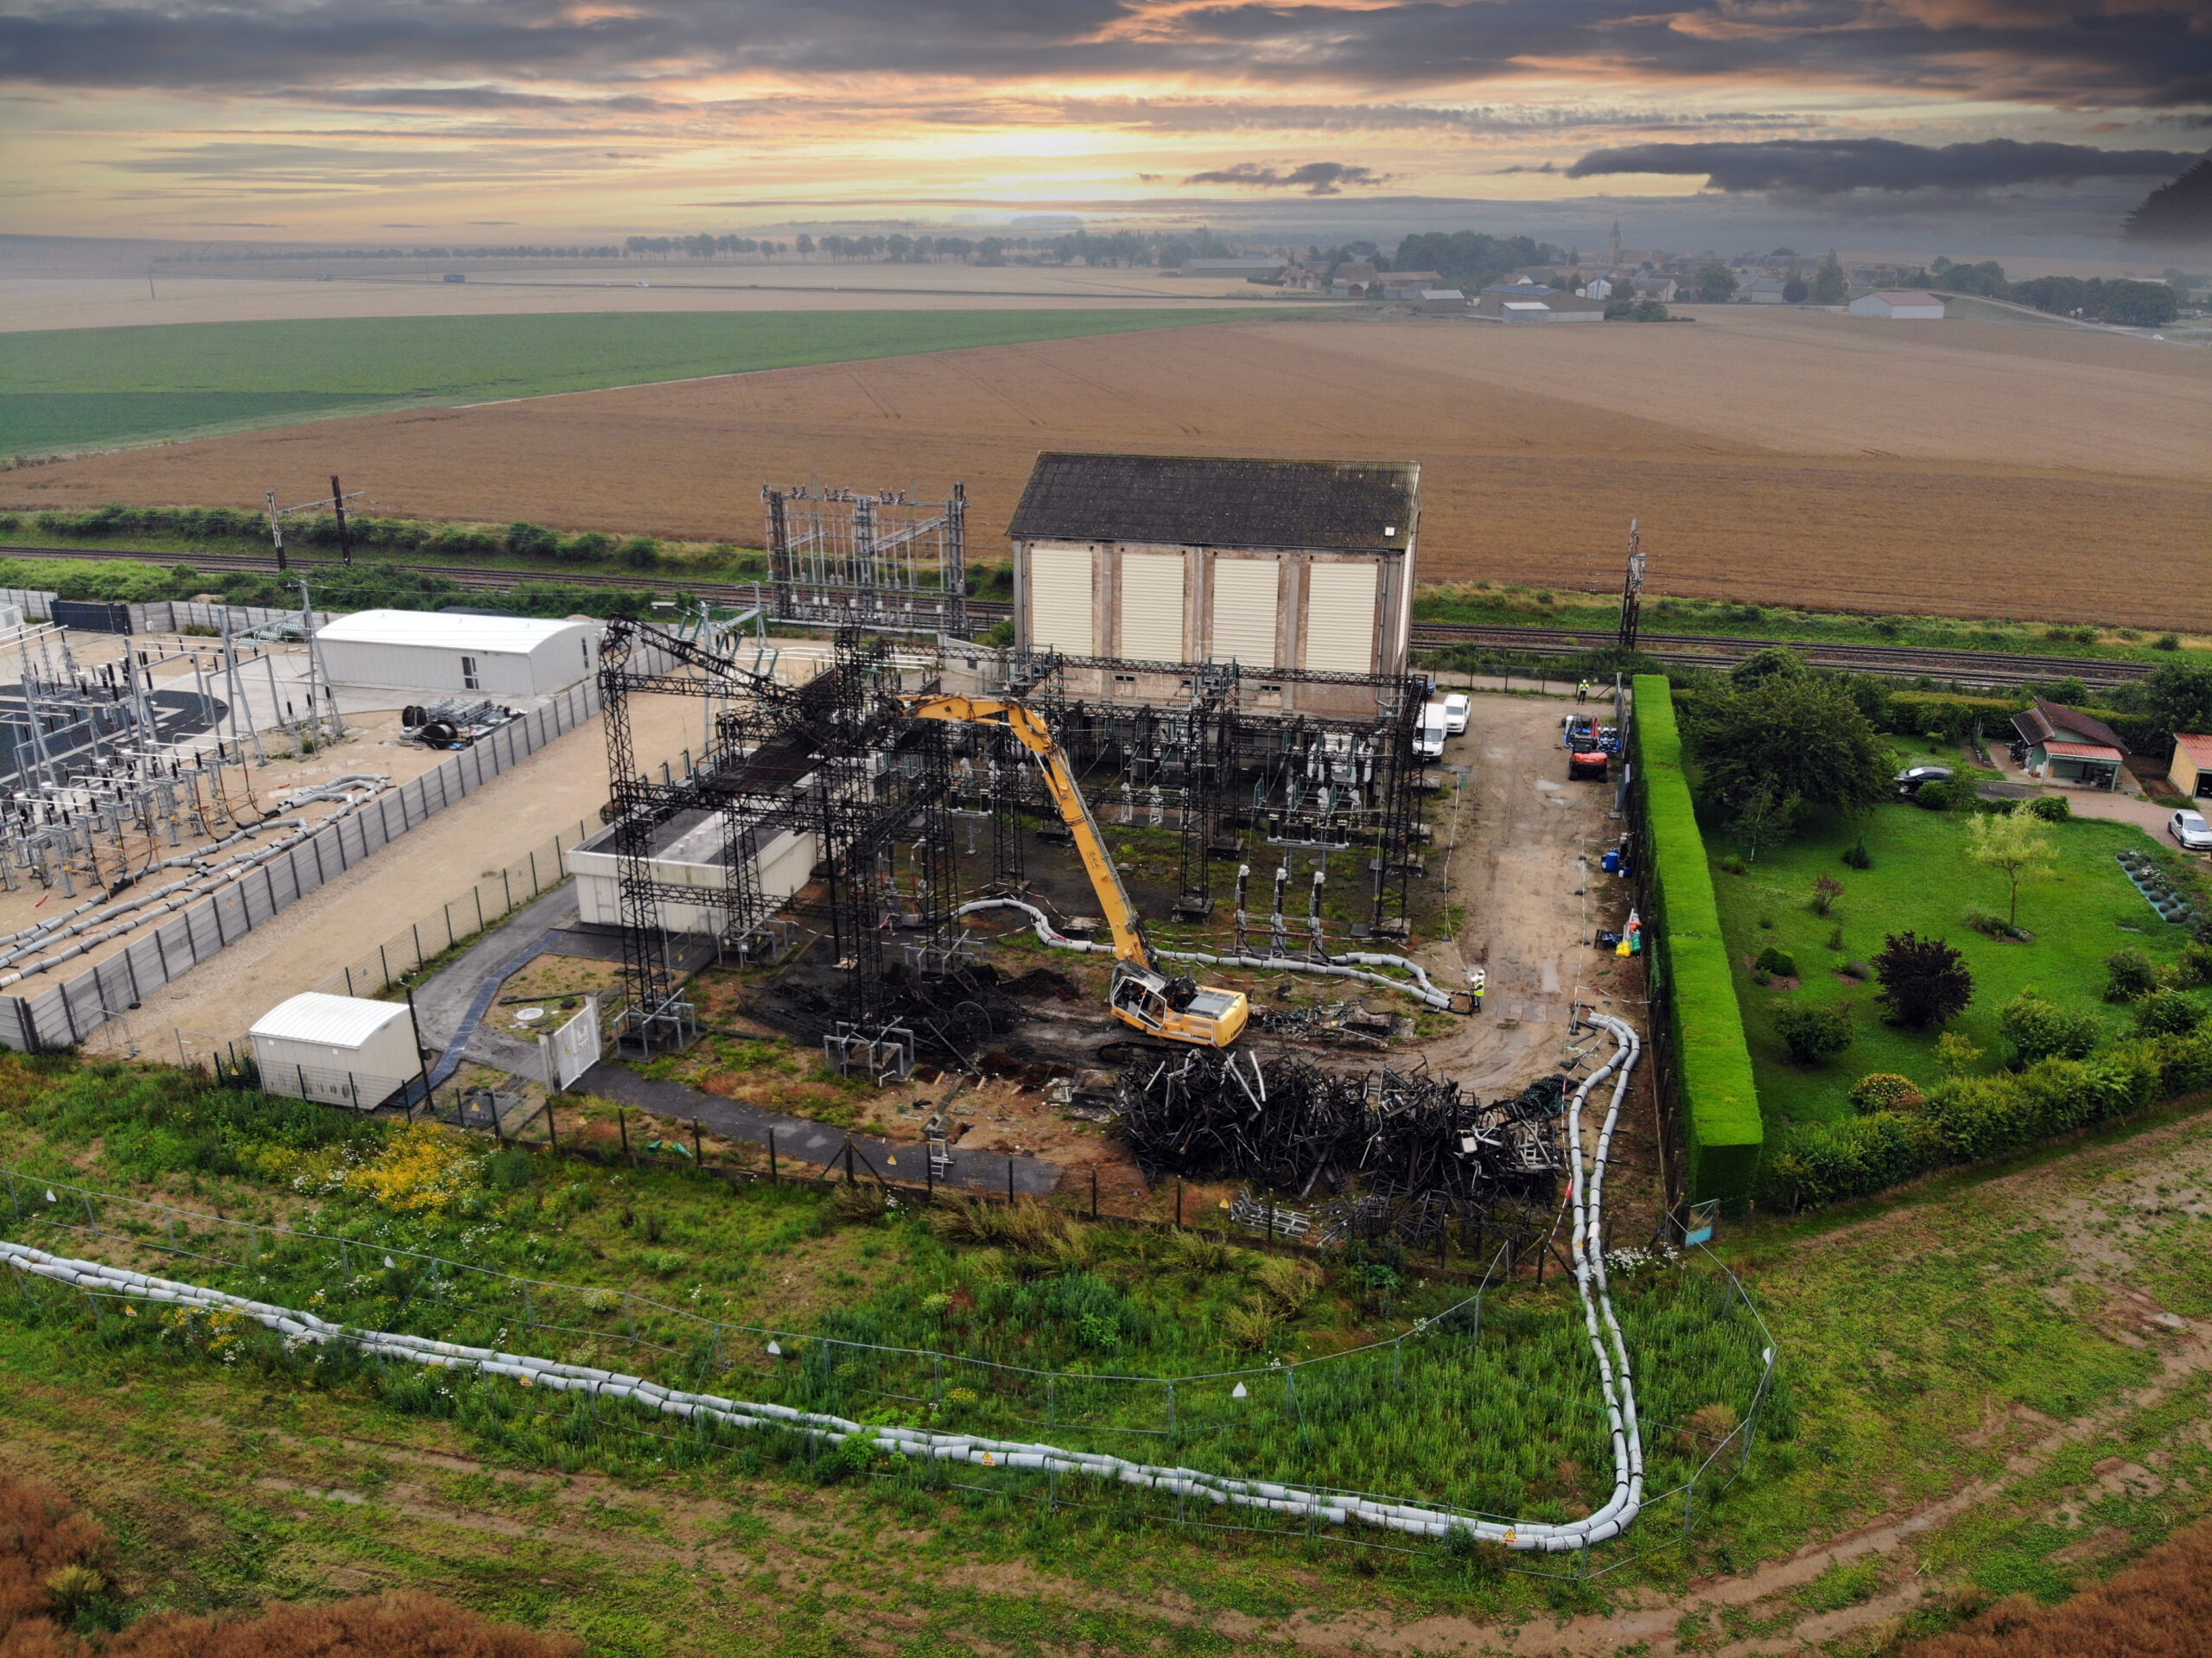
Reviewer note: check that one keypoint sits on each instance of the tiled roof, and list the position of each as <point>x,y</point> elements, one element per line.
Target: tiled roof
<point>2198,748</point>
<point>2082,751</point>
<point>1202,501</point>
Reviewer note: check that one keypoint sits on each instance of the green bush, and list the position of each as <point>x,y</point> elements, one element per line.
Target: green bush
<point>587,547</point>
<point>531,540</point>
<point>1813,1035</point>
<point>2167,1013</point>
<point>462,541</point>
<point>1856,855</point>
<point>1826,1163</point>
<point>2129,974</point>
<point>2041,1030</point>
<point>2052,809</point>
<point>1885,1090</point>
<point>640,551</point>
<point>1938,716</point>
<point>1689,963</point>
<point>1780,963</point>
<point>1936,797</point>
<point>2166,642</point>
<point>2194,965</point>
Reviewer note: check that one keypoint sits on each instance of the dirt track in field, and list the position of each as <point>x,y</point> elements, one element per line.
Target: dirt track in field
<point>1961,467</point>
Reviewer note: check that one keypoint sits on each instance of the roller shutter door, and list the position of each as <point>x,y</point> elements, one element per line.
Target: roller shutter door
<point>1244,604</point>
<point>1151,608</point>
<point>1059,601</point>
<point>1340,618</point>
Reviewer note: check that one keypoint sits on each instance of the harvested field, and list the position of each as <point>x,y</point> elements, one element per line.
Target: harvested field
<point>1969,468</point>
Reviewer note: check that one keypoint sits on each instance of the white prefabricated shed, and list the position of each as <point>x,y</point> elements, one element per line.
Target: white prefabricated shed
<point>1915,304</point>
<point>340,1049</point>
<point>689,850</point>
<point>435,654</point>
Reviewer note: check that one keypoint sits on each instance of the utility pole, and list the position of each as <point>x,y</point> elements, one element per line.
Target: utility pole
<point>1632,589</point>
<point>338,504</point>
<point>276,530</point>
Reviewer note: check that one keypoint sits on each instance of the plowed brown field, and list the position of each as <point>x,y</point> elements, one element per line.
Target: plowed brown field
<point>1962,468</point>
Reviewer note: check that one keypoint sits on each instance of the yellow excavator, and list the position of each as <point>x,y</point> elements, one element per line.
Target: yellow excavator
<point>1176,1009</point>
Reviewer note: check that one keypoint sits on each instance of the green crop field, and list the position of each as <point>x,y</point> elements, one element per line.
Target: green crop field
<point>1922,881</point>
<point>86,387</point>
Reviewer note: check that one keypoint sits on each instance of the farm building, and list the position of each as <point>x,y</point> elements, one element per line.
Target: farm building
<point>1352,280</point>
<point>1153,560</point>
<point>1247,266</point>
<point>1899,305</point>
<point>691,850</point>
<point>2191,772</point>
<point>1762,290</point>
<point>340,1049</point>
<point>1443,301</point>
<point>2067,746</point>
<point>1526,302</point>
<point>426,652</point>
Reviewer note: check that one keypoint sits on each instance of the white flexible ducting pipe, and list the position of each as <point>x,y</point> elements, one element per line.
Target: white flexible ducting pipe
<point>177,895</point>
<point>1423,991</point>
<point>1586,1193</point>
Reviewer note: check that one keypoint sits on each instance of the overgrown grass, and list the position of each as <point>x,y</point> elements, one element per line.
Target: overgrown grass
<point>1922,880</point>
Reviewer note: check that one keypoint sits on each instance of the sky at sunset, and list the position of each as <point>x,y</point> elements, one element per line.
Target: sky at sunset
<point>506,119</point>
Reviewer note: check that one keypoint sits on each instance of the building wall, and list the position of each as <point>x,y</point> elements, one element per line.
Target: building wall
<point>315,1070</point>
<point>780,869</point>
<point>2184,775</point>
<point>1266,608</point>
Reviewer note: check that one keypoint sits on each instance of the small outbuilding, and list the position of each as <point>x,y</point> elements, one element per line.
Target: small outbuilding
<point>1443,301</point>
<point>1899,305</point>
<point>692,850</point>
<point>433,653</point>
<point>339,1050</point>
<point>2067,746</point>
<point>1528,302</point>
<point>2191,772</point>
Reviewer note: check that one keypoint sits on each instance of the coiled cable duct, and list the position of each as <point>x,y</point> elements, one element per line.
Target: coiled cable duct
<point>1423,991</point>
<point>177,894</point>
<point>1336,1508</point>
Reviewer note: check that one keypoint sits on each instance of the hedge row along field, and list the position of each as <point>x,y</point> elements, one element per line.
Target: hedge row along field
<point>1690,960</point>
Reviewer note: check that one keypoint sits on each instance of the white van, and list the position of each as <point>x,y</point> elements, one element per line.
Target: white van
<point>1456,704</point>
<point>1428,741</point>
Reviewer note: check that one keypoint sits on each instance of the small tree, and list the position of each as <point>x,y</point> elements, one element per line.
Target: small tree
<point>1828,284</point>
<point>1716,283</point>
<point>1764,816</point>
<point>1813,1035</point>
<point>1827,889</point>
<point>2015,845</point>
<point>1957,1055</point>
<point>1924,981</point>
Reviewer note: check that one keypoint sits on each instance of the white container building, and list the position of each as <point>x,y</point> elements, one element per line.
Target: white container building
<point>435,655</point>
<point>1915,305</point>
<point>689,850</point>
<point>339,1050</point>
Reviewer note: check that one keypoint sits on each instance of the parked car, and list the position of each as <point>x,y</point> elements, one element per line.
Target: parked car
<point>1912,776</point>
<point>1428,741</point>
<point>2190,831</point>
<point>1455,713</point>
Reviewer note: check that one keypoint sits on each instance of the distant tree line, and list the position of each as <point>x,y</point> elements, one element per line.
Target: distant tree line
<point>2094,299</point>
<point>516,251</point>
<point>1470,259</point>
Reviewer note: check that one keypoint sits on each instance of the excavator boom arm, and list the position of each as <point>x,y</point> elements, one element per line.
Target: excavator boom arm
<point>1030,730</point>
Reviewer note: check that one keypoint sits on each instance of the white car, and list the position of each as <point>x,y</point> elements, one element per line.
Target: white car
<point>1428,741</point>
<point>1456,704</point>
<point>2190,831</point>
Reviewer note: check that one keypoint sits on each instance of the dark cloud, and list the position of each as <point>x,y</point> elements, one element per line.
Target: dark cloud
<point>1814,169</point>
<point>2087,54</point>
<point>1315,178</point>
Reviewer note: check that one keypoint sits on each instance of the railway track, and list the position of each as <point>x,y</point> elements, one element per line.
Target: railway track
<point>1988,668</point>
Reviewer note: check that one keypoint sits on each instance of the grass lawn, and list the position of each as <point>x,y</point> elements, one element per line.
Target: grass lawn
<point>74,387</point>
<point>1922,880</point>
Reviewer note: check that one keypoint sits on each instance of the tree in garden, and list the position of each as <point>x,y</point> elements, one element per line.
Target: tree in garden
<point>1764,817</point>
<point>1716,283</point>
<point>1813,1035</point>
<point>2014,844</point>
<point>2178,695</point>
<point>1827,889</point>
<point>1924,981</point>
<point>1798,734</point>
<point>1828,285</point>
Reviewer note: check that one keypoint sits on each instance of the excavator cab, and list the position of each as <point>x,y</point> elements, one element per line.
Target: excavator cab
<point>1177,1010</point>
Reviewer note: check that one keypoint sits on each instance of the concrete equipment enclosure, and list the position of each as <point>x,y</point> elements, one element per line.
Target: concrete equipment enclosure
<point>436,654</point>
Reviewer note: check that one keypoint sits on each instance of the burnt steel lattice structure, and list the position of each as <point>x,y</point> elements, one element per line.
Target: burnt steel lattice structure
<point>1225,770</point>
<point>835,757</point>
<point>845,557</point>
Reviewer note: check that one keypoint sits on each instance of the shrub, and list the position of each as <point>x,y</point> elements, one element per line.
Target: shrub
<point>531,540</point>
<point>2166,642</point>
<point>2039,1029</point>
<point>2167,1013</point>
<point>1924,981</point>
<point>1858,970</point>
<point>1813,1035</point>
<point>1989,922</point>
<point>1885,1090</point>
<point>641,552</point>
<point>1827,889</point>
<point>1935,796</point>
<point>1778,961</point>
<point>1835,937</point>
<point>1856,855</point>
<point>1957,1055</point>
<point>461,540</point>
<point>1828,1162</point>
<point>2194,965</point>
<point>2052,809</point>
<point>2129,976</point>
<point>587,547</point>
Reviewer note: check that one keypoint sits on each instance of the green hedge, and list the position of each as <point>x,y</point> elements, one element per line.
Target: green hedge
<point>1690,960</point>
<point>1967,1119</point>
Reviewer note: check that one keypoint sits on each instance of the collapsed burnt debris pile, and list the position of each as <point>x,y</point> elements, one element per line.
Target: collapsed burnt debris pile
<point>954,1015</point>
<point>1345,1024</point>
<point>1403,1137</point>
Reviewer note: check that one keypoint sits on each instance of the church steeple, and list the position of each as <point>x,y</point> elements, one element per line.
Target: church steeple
<point>1613,248</point>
